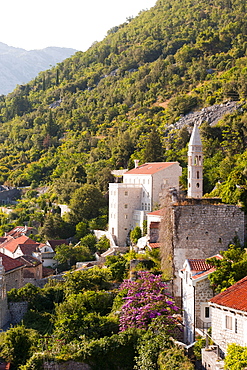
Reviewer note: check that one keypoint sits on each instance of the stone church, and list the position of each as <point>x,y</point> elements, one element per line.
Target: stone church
<point>196,227</point>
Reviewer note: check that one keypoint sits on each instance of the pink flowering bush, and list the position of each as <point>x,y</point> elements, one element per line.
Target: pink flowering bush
<point>147,300</point>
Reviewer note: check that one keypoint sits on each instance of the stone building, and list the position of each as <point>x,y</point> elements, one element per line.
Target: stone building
<point>196,292</point>
<point>13,272</point>
<point>228,322</point>
<point>143,188</point>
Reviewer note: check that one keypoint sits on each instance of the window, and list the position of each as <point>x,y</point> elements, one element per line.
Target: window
<point>236,326</point>
<point>142,206</point>
<point>198,185</point>
<point>126,206</point>
<point>143,181</point>
<point>206,312</point>
<point>126,193</point>
<point>125,216</point>
<point>229,322</point>
<point>197,174</point>
<point>145,206</point>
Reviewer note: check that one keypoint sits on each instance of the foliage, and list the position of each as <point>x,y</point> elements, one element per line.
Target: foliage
<point>148,349</point>
<point>230,269</point>
<point>81,314</point>
<point>174,358</point>
<point>135,234</point>
<point>93,279</point>
<point>236,358</point>
<point>146,300</point>
<point>118,266</point>
<point>86,203</point>
<point>18,344</point>
<point>103,244</point>
<point>69,254</point>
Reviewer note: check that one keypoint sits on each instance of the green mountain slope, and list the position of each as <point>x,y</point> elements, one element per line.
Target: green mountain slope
<point>100,109</point>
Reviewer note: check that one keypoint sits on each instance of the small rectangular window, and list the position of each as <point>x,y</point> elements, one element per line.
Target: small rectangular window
<point>126,193</point>
<point>229,322</point>
<point>126,206</point>
<point>126,216</point>
<point>236,326</point>
<point>206,312</point>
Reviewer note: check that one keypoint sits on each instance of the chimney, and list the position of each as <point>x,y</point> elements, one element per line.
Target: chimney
<point>136,161</point>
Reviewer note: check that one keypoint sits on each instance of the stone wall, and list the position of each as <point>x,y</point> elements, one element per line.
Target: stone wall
<point>202,230</point>
<point>14,279</point>
<point>17,310</point>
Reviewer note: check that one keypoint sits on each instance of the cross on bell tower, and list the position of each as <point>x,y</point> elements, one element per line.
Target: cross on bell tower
<point>195,165</point>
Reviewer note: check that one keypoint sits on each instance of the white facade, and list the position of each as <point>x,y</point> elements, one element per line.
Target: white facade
<point>141,190</point>
<point>196,292</point>
<point>195,165</point>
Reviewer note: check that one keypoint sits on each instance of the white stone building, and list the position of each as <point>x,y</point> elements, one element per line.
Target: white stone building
<point>229,316</point>
<point>143,188</point>
<point>196,292</point>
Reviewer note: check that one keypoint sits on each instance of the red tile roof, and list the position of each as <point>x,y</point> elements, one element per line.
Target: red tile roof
<point>9,263</point>
<point>149,168</point>
<point>233,297</point>
<point>159,212</point>
<point>55,242</point>
<point>19,230</point>
<point>11,244</point>
<point>154,245</point>
<point>29,249</point>
<point>199,265</point>
<point>28,260</point>
<point>200,268</point>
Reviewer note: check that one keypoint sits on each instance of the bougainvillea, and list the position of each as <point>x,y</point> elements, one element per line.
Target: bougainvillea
<point>147,300</point>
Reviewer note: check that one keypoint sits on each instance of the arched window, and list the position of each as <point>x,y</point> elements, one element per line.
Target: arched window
<point>197,174</point>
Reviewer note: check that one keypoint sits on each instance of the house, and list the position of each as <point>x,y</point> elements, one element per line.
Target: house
<point>142,189</point>
<point>21,230</point>
<point>48,251</point>
<point>14,272</point>
<point>33,268</point>
<point>196,292</point>
<point>229,316</point>
<point>16,247</point>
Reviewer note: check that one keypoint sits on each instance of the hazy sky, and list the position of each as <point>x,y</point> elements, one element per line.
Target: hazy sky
<point>31,24</point>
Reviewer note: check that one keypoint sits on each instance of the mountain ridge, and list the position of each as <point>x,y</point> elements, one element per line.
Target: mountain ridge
<point>19,66</point>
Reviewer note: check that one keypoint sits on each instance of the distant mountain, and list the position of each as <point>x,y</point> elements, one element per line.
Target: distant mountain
<point>18,66</point>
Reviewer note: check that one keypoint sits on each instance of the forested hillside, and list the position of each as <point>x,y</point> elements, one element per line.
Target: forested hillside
<point>100,109</point>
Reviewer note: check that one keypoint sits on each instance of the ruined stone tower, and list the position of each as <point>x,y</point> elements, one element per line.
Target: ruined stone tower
<point>195,165</point>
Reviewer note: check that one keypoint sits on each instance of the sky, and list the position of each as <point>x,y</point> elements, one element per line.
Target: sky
<point>36,24</point>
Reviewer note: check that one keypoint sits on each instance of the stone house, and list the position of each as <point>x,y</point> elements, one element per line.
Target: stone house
<point>33,268</point>
<point>196,292</point>
<point>229,316</point>
<point>143,188</point>
<point>14,272</point>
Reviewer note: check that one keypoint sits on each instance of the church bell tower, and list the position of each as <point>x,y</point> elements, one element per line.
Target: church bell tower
<point>195,165</point>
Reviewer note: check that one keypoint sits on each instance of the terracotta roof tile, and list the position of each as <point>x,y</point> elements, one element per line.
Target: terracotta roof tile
<point>159,212</point>
<point>154,245</point>
<point>233,297</point>
<point>11,244</point>
<point>9,263</point>
<point>149,168</point>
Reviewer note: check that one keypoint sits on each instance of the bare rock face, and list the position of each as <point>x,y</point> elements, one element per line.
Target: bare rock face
<point>210,115</point>
<point>19,66</point>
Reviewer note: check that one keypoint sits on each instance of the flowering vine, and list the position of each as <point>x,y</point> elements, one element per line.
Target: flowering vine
<point>147,299</point>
